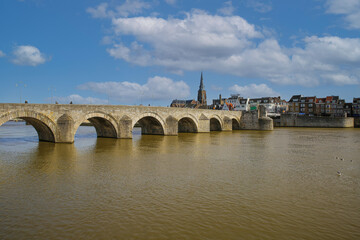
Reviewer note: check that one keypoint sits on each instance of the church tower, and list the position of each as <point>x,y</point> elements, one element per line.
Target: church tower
<point>202,92</point>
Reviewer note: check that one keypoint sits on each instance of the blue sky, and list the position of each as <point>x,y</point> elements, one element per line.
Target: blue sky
<point>150,52</point>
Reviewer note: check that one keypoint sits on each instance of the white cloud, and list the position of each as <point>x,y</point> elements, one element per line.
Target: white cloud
<point>259,6</point>
<point>341,79</point>
<point>253,90</point>
<point>99,12</point>
<point>171,2</point>
<point>106,40</point>
<point>28,55</point>
<point>129,7</point>
<point>2,54</point>
<point>176,44</point>
<point>349,8</point>
<point>330,59</point>
<point>77,99</point>
<point>182,44</point>
<point>229,44</point>
<point>228,9</point>
<point>156,88</point>
<point>132,7</point>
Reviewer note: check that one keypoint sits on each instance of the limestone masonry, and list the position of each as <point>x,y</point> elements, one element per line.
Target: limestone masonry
<point>59,122</point>
<point>292,120</point>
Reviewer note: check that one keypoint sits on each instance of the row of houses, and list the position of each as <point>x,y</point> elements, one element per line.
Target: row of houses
<point>328,106</point>
<point>273,105</point>
<point>298,104</point>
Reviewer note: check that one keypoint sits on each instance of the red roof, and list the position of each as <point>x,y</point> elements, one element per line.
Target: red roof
<point>329,98</point>
<point>322,100</point>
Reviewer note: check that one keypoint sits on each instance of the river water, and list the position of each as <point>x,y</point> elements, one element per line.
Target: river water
<point>220,185</point>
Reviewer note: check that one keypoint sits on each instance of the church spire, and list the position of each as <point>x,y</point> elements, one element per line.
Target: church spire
<point>201,87</point>
<point>202,92</point>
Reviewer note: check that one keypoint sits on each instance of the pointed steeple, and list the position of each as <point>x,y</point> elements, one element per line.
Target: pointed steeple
<point>201,87</point>
<point>202,92</point>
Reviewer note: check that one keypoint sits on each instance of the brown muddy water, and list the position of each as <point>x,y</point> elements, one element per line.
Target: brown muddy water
<point>220,185</point>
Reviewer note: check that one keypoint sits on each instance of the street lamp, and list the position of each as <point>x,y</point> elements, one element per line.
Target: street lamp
<point>51,90</point>
<point>20,85</point>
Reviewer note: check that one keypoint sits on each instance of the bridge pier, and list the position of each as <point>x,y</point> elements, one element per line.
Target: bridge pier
<point>66,129</point>
<point>227,125</point>
<point>125,127</point>
<point>171,127</point>
<point>204,124</point>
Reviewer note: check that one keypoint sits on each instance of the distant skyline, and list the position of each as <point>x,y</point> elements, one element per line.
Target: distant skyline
<point>151,52</point>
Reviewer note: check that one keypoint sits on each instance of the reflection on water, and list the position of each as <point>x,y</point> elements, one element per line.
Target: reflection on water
<point>222,185</point>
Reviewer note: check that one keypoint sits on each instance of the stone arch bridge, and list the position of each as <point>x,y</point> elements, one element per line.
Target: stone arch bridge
<point>59,122</point>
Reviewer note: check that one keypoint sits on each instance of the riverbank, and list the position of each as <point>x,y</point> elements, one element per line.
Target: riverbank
<point>293,120</point>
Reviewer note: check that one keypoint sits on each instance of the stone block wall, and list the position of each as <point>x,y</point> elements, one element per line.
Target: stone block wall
<point>292,120</point>
<point>357,122</point>
<point>252,121</point>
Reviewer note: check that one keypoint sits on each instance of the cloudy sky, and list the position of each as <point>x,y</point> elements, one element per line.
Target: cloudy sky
<point>153,51</point>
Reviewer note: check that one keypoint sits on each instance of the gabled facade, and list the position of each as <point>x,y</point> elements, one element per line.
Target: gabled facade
<point>356,107</point>
<point>320,106</point>
<point>307,105</point>
<point>273,105</point>
<point>348,109</point>
<point>244,104</point>
<point>294,104</point>
<point>218,103</point>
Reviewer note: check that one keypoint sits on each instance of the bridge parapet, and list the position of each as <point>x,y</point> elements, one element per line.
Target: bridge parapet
<point>59,122</point>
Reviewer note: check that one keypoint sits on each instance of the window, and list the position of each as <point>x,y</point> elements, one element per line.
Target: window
<point>311,100</point>
<point>302,105</point>
<point>310,105</point>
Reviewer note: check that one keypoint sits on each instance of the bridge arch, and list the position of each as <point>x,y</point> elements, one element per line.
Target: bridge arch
<point>235,124</point>
<point>151,124</point>
<point>45,127</point>
<point>216,124</point>
<point>105,124</point>
<point>188,123</point>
